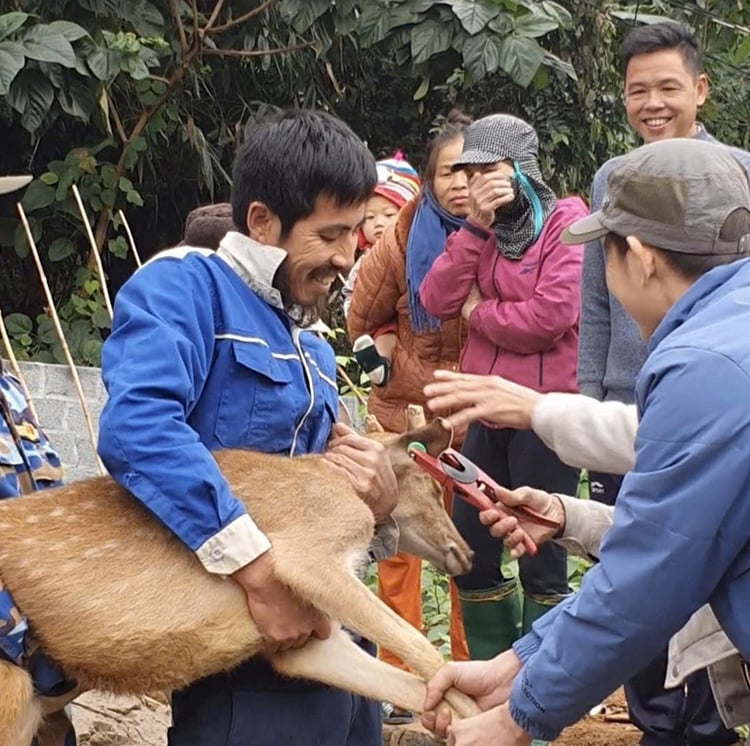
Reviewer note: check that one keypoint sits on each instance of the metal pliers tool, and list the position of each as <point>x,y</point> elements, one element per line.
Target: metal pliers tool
<point>463,477</point>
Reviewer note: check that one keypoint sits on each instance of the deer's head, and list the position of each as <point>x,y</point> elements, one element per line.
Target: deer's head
<point>426,529</point>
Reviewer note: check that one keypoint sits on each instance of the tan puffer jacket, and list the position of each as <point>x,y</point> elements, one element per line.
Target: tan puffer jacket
<point>380,298</point>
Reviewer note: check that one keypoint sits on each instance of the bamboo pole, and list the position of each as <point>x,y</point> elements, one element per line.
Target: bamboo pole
<point>16,368</point>
<point>97,255</point>
<point>131,240</point>
<point>348,381</point>
<point>61,335</point>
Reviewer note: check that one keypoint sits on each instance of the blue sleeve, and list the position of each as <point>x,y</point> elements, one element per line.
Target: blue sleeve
<point>674,536</point>
<point>595,323</point>
<point>154,364</point>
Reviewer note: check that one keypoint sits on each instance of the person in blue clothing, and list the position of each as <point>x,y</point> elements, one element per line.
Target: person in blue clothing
<point>676,230</point>
<point>217,350</point>
<point>28,463</point>
<point>665,86</point>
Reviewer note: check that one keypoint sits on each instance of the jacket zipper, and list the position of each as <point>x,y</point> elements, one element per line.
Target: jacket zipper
<point>541,369</point>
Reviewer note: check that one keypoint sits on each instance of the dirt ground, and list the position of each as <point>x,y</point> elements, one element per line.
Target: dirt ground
<point>102,720</point>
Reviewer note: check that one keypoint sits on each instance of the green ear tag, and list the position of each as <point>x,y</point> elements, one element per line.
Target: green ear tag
<point>415,445</point>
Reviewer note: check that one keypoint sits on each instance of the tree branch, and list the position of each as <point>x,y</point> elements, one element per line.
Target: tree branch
<point>194,6</point>
<point>118,122</point>
<point>241,19</point>
<point>214,15</point>
<point>255,52</point>
<point>180,25</point>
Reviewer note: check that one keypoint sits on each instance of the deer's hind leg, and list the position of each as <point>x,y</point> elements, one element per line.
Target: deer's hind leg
<point>20,713</point>
<point>340,662</point>
<point>336,592</point>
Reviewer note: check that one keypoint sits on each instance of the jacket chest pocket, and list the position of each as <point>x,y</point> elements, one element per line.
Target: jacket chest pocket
<point>258,402</point>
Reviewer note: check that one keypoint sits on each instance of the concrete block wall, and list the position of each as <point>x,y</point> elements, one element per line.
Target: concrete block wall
<point>54,395</point>
<point>53,391</point>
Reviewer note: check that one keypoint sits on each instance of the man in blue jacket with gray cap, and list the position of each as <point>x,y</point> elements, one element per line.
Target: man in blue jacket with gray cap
<point>676,231</point>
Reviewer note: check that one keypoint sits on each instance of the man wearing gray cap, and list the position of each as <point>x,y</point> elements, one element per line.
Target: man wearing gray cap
<point>676,230</point>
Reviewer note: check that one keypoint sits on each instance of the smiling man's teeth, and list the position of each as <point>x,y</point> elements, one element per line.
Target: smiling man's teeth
<point>656,122</point>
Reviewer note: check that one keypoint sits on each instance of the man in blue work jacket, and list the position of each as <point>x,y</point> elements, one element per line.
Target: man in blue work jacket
<point>676,230</point>
<point>214,350</point>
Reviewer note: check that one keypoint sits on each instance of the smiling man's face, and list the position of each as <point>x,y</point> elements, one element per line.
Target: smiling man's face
<point>318,247</point>
<point>662,95</point>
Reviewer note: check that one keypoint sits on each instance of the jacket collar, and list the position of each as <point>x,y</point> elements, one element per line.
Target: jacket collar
<point>705,289</point>
<point>255,263</point>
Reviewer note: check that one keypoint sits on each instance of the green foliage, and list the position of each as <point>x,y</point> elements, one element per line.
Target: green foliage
<point>83,319</point>
<point>142,102</point>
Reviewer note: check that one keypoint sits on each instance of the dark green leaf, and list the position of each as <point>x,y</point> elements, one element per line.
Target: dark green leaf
<point>145,18</point>
<point>103,63</point>
<point>43,43</point>
<point>20,242</point>
<point>77,99</point>
<point>373,24</point>
<point>520,58</point>
<point>18,323</point>
<point>559,13</point>
<point>71,31</point>
<point>45,329</point>
<point>50,178</point>
<point>474,14</point>
<point>502,23</point>
<point>125,184</point>
<point>130,157</point>
<point>136,67</point>
<point>481,56</point>
<point>118,247</point>
<point>11,63</point>
<point>561,65</point>
<point>429,38</point>
<point>308,13</point>
<point>92,352</point>
<point>40,96</point>
<point>11,22</point>
<point>38,196</point>
<point>134,198</point>
<point>100,317</point>
<point>532,25</point>
<point>61,248</point>
<point>109,175</point>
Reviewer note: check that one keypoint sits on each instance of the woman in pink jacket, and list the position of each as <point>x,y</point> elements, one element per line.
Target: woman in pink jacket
<point>507,274</point>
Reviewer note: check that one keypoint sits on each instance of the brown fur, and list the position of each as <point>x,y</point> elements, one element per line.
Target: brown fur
<point>122,606</point>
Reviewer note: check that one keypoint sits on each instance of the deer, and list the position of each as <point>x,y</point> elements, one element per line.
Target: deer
<point>122,606</point>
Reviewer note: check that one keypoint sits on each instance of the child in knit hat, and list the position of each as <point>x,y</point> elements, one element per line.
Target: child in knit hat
<point>398,182</point>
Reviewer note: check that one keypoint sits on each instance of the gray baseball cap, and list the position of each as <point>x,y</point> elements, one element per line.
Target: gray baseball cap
<point>496,138</point>
<point>10,184</point>
<point>673,194</point>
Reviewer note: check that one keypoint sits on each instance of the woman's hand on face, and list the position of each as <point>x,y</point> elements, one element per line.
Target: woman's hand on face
<point>489,190</point>
<point>467,398</point>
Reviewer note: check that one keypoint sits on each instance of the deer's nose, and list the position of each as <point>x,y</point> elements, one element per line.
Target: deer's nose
<point>458,559</point>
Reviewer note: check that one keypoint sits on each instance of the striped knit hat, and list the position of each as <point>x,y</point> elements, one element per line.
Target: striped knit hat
<point>397,180</point>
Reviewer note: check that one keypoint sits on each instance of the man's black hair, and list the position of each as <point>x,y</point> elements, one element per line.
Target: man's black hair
<point>657,37</point>
<point>289,159</point>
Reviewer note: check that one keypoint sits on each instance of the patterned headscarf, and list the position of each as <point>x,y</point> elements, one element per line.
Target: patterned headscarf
<point>502,137</point>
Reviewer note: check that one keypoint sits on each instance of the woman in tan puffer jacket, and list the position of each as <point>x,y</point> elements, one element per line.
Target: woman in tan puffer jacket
<point>385,300</point>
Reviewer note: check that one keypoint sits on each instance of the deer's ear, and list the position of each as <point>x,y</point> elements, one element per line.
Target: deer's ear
<point>415,417</point>
<point>372,425</point>
<point>435,437</point>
